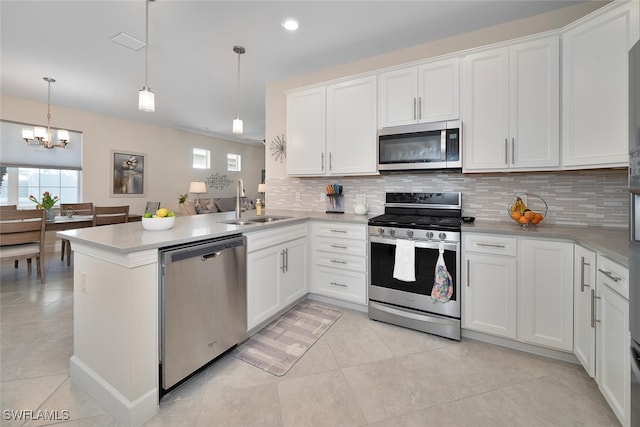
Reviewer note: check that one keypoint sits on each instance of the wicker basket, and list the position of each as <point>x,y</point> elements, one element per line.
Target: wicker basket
<point>530,212</point>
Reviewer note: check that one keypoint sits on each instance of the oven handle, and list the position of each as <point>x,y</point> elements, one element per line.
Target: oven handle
<point>411,315</point>
<point>422,244</point>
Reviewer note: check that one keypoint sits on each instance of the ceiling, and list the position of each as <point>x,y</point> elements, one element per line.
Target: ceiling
<point>192,66</point>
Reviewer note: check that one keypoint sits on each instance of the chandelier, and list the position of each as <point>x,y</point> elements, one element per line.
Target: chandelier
<point>43,136</point>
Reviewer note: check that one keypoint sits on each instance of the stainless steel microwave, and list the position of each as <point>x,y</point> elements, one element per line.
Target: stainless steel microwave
<point>436,145</point>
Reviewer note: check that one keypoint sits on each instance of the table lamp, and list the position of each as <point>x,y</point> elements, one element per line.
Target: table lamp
<point>262,188</point>
<point>197,187</point>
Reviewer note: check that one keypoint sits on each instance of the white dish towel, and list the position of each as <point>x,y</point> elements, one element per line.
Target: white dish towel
<point>405,263</point>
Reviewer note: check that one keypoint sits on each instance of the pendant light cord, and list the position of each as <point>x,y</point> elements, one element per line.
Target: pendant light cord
<point>238,86</point>
<point>146,43</point>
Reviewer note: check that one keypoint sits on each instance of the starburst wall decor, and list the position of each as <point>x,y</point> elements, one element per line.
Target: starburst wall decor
<point>278,148</point>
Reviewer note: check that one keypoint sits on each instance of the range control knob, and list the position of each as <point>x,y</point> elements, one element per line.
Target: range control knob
<point>381,230</point>
<point>430,234</point>
<point>442,236</point>
<point>410,233</point>
<point>392,232</point>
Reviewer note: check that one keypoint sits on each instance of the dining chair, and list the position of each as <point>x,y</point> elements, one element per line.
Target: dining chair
<point>10,208</point>
<point>152,207</point>
<point>22,236</point>
<point>78,209</point>
<point>105,215</point>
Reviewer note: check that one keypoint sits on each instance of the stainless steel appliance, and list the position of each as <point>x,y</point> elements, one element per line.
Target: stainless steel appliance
<point>429,220</point>
<point>634,227</point>
<point>436,145</point>
<point>203,294</point>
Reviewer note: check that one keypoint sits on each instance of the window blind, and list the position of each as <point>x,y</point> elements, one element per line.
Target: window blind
<point>14,151</point>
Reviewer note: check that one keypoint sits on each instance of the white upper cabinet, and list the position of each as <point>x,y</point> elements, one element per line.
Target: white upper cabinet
<point>595,87</point>
<point>420,94</point>
<point>351,127</point>
<point>306,119</point>
<point>331,130</point>
<point>510,107</point>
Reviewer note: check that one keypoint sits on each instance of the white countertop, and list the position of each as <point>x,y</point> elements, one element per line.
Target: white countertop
<point>131,237</point>
<point>611,242</point>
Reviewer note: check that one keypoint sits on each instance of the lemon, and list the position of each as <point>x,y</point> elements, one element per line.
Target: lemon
<point>162,212</point>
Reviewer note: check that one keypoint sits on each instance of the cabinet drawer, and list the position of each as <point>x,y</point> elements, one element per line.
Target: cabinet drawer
<point>349,262</point>
<point>343,285</point>
<point>342,246</point>
<point>257,240</point>
<point>614,275</point>
<point>340,230</point>
<point>486,244</point>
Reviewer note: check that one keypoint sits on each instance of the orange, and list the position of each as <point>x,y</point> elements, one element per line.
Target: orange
<point>516,215</point>
<point>529,215</point>
<point>523,220</point>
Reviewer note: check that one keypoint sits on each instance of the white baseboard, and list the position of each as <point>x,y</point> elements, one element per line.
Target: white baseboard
<point>130,414</point>
<point>345,304</point>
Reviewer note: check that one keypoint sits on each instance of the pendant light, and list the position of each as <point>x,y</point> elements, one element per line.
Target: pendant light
<point>237,122</point>
<point>146,98</point>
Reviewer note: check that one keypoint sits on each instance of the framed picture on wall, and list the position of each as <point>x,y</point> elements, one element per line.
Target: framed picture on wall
<point>128,174</point>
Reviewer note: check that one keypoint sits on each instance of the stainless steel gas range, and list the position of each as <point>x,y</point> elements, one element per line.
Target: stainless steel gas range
<point>431,223</point>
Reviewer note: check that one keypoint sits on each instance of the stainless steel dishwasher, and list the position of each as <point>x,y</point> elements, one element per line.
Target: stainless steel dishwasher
<point>203,300</point>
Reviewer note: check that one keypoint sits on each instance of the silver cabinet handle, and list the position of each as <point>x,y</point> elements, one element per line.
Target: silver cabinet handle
<point>339,246</point>
<point>582,265</point>
<point>338,284</point>
<point>337,231</point>
<point>282,266</point>
<point>506,151</point>
<point>338,261</point>
<point>467,273</point>
<point>330,161</point>
<point>419,108</point>
<point>610,275</point>
<point>593,308</point>
<point>322,161</point>
<point>491,245</point>
<point>513,151</point>
<point>286,260</point>
<point>414,109</point>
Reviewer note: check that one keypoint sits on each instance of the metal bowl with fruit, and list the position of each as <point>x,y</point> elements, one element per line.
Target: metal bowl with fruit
<point>163,219</point>
<point>528,209</point>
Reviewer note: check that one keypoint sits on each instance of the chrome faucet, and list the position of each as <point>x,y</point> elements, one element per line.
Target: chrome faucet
<point>239,193</point>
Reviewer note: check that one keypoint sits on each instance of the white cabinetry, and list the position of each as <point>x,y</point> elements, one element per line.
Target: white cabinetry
<point>490,285</point>
<point>584,288</point>
<point>612,337</point>
<point>545,283</point>
<point>510,107</point>
<point>331,130</point>
<point>276,271</point>
<point>420,94</point>
<point>595,87</point>
<point>339,261</point>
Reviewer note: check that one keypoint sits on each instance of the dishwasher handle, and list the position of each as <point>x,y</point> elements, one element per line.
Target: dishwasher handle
<point>204,250</point>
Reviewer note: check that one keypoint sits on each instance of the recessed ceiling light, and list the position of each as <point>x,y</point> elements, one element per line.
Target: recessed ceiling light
<point>290,24</point>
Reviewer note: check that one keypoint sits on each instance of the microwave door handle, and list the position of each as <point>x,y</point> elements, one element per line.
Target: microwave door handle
<point>443,145</point>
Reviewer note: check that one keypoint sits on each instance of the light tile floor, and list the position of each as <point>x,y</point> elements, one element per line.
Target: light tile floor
<point>359,373</point>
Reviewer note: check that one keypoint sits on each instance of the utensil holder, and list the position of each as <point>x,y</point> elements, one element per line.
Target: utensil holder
<point>335,203</point>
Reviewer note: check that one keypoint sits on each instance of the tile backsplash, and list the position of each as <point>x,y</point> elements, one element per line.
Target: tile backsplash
<point>587,197</point>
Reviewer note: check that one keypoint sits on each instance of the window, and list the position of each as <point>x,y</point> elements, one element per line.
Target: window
<point>18,183</point>
<point>234,162</point>
<point>201,158</point>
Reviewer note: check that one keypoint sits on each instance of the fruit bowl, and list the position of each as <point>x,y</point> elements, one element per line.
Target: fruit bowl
<point>527,209</point>
<point>157,223</point>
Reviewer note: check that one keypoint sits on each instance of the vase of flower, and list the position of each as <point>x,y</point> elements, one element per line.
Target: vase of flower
<point>47,204</point>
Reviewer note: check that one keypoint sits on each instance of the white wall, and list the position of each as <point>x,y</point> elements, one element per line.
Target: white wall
<point>168,154</point>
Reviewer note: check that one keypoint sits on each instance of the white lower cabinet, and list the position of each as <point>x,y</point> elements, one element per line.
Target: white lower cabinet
<point>584,288</point>
<point>276,271</point>
<point>545,287</point>
<point>612,338</point>
<point>339,261</point>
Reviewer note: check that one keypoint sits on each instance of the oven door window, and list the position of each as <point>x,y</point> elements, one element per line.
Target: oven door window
<point>383,261</point>
<point>421,147</point>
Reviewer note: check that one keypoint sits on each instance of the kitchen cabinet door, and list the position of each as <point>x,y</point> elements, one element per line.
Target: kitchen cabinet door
<point>511,107</point>
<point>545,303</point>
<point>306,130</point>
<point>490,294</point>
<point>595,87</point>
<point>293,283</point>
<point>263,290</point>
<point>613,373</point>
<point>584,286</point>
<point>397,97</point>
<point>351,127</point>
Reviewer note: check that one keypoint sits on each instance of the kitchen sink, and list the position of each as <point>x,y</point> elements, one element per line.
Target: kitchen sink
<point>255,220</point>
<point>239,221</point>
<point>268,218</point>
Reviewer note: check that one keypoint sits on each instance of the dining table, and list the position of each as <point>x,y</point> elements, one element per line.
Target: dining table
<point>63,222</point>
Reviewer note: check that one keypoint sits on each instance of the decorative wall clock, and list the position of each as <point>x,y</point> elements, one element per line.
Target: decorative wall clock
<point>278,148</point>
